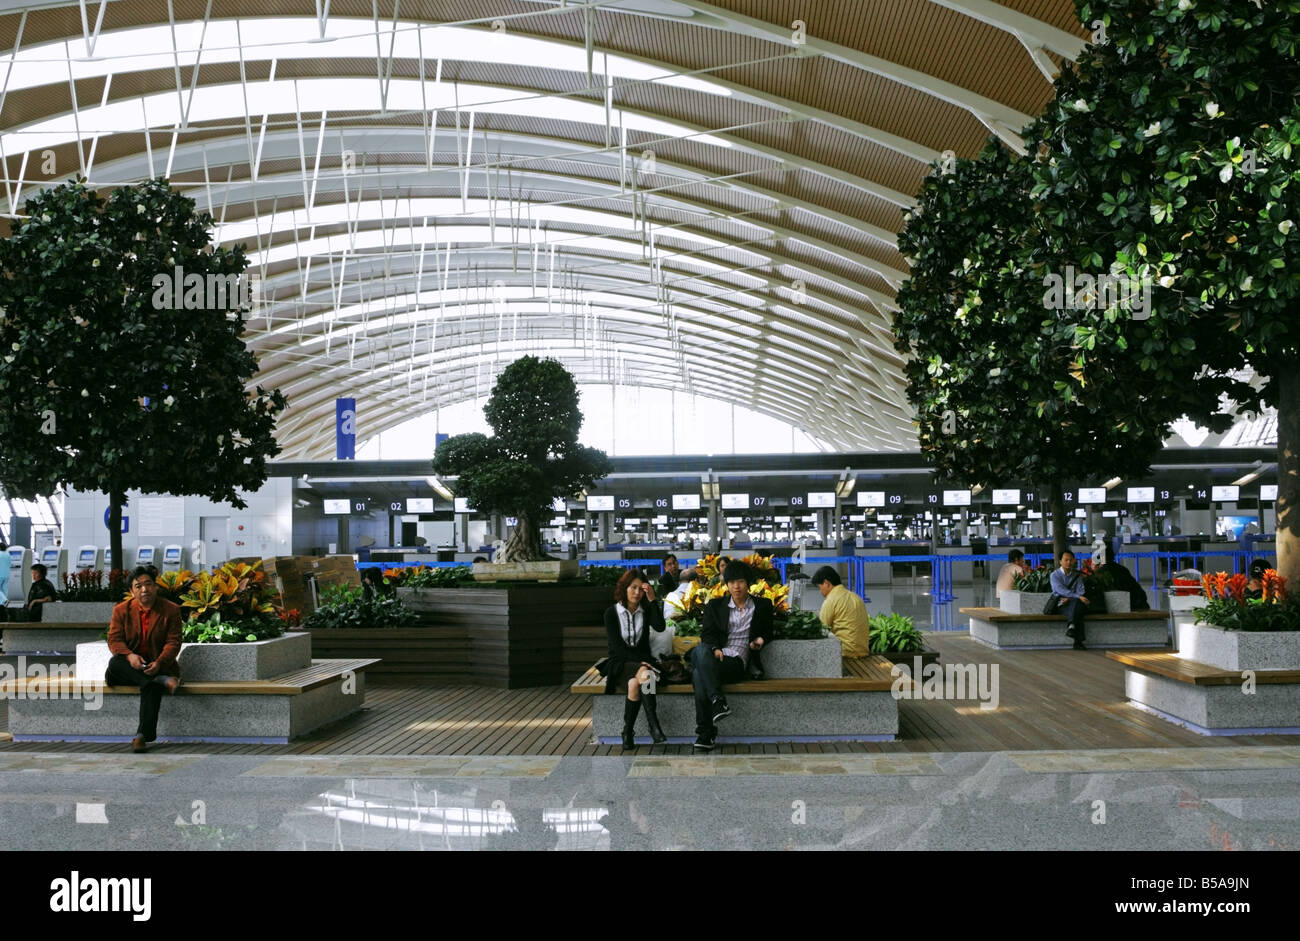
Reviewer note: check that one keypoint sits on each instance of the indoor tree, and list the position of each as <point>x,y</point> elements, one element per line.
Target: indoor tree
<point>1170,152</point>
<point>124,370</point>
<point>532,457</point>
<point>995,371</point>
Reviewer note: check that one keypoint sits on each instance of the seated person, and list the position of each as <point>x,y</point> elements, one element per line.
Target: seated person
<point>1015,566</point>
<point>144,637</point>
<point>1067,586</point>
<point>672,575</point>
<point>843,613</point>
<point>40,594</point>
<point>1255,587</point>
<point>1123,580</point>
<point>628,623</point>
<point>733,627</point>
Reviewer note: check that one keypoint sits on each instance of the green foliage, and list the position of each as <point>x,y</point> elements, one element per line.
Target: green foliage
<point>602,574</point>
<point>686,627</point>
<point>345,606</point>
<point>247,629</point>
<point>83,343</point>
<point>800,625</point>
<point>447,576</point>
<point>89,585</point>
<point>533,456</point>
<point>1035,580</point>
<point>895,633</point>
<point>1253,615</point>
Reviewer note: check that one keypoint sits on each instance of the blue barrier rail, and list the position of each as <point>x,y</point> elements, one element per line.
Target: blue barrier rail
<point>941,566</point>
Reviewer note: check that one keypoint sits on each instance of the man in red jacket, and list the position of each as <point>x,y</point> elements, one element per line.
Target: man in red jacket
<point>144,637</point>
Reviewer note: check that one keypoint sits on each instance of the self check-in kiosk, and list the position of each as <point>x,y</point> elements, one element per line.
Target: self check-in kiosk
<point>147,555</point>
<point>20,576</point>
<point>171,558</point>
<point>89,559</point>
<point>55,561</point>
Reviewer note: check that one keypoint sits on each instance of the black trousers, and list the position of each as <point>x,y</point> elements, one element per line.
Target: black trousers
<point>1075,611</point>
<point>707,676</point>
<point>121,673</point>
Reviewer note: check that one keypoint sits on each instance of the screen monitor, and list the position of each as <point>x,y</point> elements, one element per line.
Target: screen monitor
<point>860,518</point>
<point>462,505</point>
<point>1080,513</point>
<point>1268,491</point>
<point>1035,515</point>
<point>419,504</point>
<point>735,501</point>
<point>602,503</point>
<point>735,520</point>
<point>686,501</point>
<point>1006,497</point>
<point>1092,495</point>
<point>1225,494</point>
<point>87,556</point>
<point>559,505</point>
<point>1006,516</point>
<point>1141,494</point>
<point>821,499</point>
<point>144,554</point>
<point>782,519</point>
<point>1111,514</point>
<point>339,507</point>
<point>956,498</point>
<point>871,498</point>
<point>172,554</point>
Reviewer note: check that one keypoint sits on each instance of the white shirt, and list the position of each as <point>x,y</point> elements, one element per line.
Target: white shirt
<point>738,632</point>
<point>631,624</point>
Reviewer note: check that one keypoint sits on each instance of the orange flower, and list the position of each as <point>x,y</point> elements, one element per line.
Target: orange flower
<point>1221,584</point>
<point>1237,585</point>
<point>1274,586</point>
<point>1207,586</point>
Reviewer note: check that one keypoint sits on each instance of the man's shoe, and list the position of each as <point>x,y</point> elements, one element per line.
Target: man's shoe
<point>172,683</point>
<point>704,742</point>
<point>1069,631</point>
<point>720,708</point>
<point>137,744</point>
<point>1078,645</point>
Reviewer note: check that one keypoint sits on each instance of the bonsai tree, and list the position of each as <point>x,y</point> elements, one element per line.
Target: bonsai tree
<point>995,367</point>
<point>123,360</point>
<point>1172,151</point>
<point>532,457</point>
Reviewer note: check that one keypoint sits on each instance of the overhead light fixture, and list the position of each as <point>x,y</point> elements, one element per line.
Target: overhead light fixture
<point>440,488</point>
<point>1113,483</point>
<point>845,486</point>
<point>1248,478</point>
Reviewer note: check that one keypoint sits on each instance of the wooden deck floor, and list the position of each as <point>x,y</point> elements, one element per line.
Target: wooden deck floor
<point>1048,700</point>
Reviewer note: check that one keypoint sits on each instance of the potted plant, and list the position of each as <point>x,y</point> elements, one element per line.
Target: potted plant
<point>87,596</point>
<point>895,637</point>
<point>1233,632</point>
<point>532,458</point>
<point>345,607</point>
<point>1029,593</point>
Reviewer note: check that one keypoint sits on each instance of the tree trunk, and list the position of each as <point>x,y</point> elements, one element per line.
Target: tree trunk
<point>116,499</point>
<point>1288,477</point>
<point>1060,522</point>
<point>525,543</point>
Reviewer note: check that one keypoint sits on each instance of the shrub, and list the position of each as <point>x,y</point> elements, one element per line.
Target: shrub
<point>346,606</point>
<point>895,633</point>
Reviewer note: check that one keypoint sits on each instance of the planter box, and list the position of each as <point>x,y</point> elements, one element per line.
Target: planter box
<point>1187,602</point>
<point>1118,602</point>
<point>515,632</point>
<point>78,612</point>
<point>256,661</point>
<point>1023,602</point>
<point>409,656</point>
<point>908,659</point>
<point>784,659</point>
<point>1239,650</point>
<point>547,571</point>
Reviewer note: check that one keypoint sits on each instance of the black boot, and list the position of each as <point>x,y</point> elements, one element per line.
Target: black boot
<point>652,720</point>
<point>630,709</point>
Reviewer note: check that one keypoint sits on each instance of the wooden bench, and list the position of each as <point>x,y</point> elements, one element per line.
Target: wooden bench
<point>1208,699</point>
<point>269,711</point>
<point>1005,631</point>
<point>858,706</point>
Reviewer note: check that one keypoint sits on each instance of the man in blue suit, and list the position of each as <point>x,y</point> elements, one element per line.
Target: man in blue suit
<point>1067,586</point>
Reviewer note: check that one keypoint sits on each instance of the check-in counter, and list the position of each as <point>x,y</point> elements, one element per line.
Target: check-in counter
<point>875,573</point>
<point>1218,563</point>
<point>963,571</point>
<point>605,555</point>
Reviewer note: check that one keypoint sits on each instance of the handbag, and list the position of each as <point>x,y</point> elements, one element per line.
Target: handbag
<point>1052,604</point>
<point>672,669</point>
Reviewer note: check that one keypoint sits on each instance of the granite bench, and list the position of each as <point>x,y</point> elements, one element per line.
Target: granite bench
<point>61,707</point>
<point>994,627</point>
<point>47,643</point>
<point>858,706</point>
<point>1209,699</point>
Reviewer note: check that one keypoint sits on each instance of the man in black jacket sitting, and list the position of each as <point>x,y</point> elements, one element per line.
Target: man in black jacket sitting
<point>733,626</point>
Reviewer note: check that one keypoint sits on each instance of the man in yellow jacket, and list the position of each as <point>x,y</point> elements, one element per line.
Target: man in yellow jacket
<point>843,613</point>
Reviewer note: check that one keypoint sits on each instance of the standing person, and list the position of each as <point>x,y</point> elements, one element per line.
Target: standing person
<point>1067,586</point>
<point>1015,566</point>
<point>628,623</point>
<point>144,637</point>
<point>733,627</point>
<point>41,593</point>
<point>843,613</point>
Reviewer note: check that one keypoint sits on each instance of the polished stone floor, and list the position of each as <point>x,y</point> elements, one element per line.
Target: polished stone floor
<point>1115,799</point>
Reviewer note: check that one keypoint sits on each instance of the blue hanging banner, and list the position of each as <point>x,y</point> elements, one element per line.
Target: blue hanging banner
<point>345,429</point>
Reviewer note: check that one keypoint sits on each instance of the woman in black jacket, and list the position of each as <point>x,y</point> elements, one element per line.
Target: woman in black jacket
<point>628,623</point>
